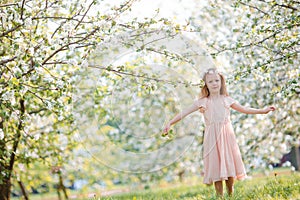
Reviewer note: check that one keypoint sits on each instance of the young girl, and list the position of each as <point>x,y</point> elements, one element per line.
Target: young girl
<point>221,154</point>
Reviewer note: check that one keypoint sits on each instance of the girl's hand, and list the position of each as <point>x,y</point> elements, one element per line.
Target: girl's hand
<point>268,109</point>
<point>166,129</point>
<point>202,109</point>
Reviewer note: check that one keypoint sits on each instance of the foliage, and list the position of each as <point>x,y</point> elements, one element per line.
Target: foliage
<point>43,44</point>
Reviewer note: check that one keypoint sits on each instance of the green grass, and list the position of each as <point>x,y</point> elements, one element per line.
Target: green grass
<point>264,188</point>
<point>283,186</point>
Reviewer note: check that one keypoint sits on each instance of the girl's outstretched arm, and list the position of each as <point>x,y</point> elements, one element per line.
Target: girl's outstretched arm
<point>247,110</point>
<point>180,116</point>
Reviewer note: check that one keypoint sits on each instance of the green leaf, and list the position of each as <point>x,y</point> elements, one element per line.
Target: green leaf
<point>15,81</point>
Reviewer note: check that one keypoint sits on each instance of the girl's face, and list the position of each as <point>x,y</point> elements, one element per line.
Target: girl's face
<point>213,82</point>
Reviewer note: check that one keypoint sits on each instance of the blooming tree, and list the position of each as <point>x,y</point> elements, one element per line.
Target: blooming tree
<point>60,84</point>
<point>42,44</point>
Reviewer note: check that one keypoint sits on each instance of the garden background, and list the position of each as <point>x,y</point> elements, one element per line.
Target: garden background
<point>87,86</point>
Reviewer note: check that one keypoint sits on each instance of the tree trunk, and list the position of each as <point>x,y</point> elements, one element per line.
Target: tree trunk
<point>295,157</point>
<point>62,186</point>
<point>5,185</point>
<point>23,189</point>
<point>5,188</point>
<point>297,154</point>
<point>58,192</point>
<point>180,174</point>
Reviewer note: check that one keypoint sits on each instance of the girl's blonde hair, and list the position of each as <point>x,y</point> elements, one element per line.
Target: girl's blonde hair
<point>205,92</point>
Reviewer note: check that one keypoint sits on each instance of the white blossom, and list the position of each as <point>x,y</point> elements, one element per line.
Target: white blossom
<point>287,164</point>
<point>49,105</point>
<point>1,134</point>
<point>21,167</point>
<point>293,169</point>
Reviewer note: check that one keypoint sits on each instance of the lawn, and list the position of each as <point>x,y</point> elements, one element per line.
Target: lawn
<point>279,184</point>
<point>275,186</point>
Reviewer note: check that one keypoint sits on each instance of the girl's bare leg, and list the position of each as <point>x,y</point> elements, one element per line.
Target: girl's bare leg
<point>219,188</point>
<point>229,185</point>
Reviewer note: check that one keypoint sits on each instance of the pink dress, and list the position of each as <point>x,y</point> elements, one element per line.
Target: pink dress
<point>221,154</point>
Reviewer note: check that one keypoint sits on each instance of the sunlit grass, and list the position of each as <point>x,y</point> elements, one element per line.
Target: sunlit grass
<point>278,185</point>
<point>273,187</point>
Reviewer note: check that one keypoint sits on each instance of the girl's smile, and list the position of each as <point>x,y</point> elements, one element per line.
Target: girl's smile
<point>213,82</point>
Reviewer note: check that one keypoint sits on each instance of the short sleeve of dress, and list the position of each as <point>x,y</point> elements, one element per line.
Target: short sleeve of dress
<point>201,102</point>
<point>229,101</point>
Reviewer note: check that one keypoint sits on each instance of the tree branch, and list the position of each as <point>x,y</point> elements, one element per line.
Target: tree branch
<point>39,87</point>
<point>124,7</point>
<point>22,9</point>
<point>144,76</point>
<point>10,30</point>
<point>56,62</point>
<point>71,18</point>
<point>286,6</point>
<point>36,111</point>
<point>254,8</point>
<point>8,4</point>
<point>46,5</point>
<point>80,21</point>
<point>28,72</point>
<point>17,136</point>
<point>85,45</point>
<point>58,18</point>
<point>37,96</point>
<point>64,47</point>
<point>7,60</point>
<point>280,58</point>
